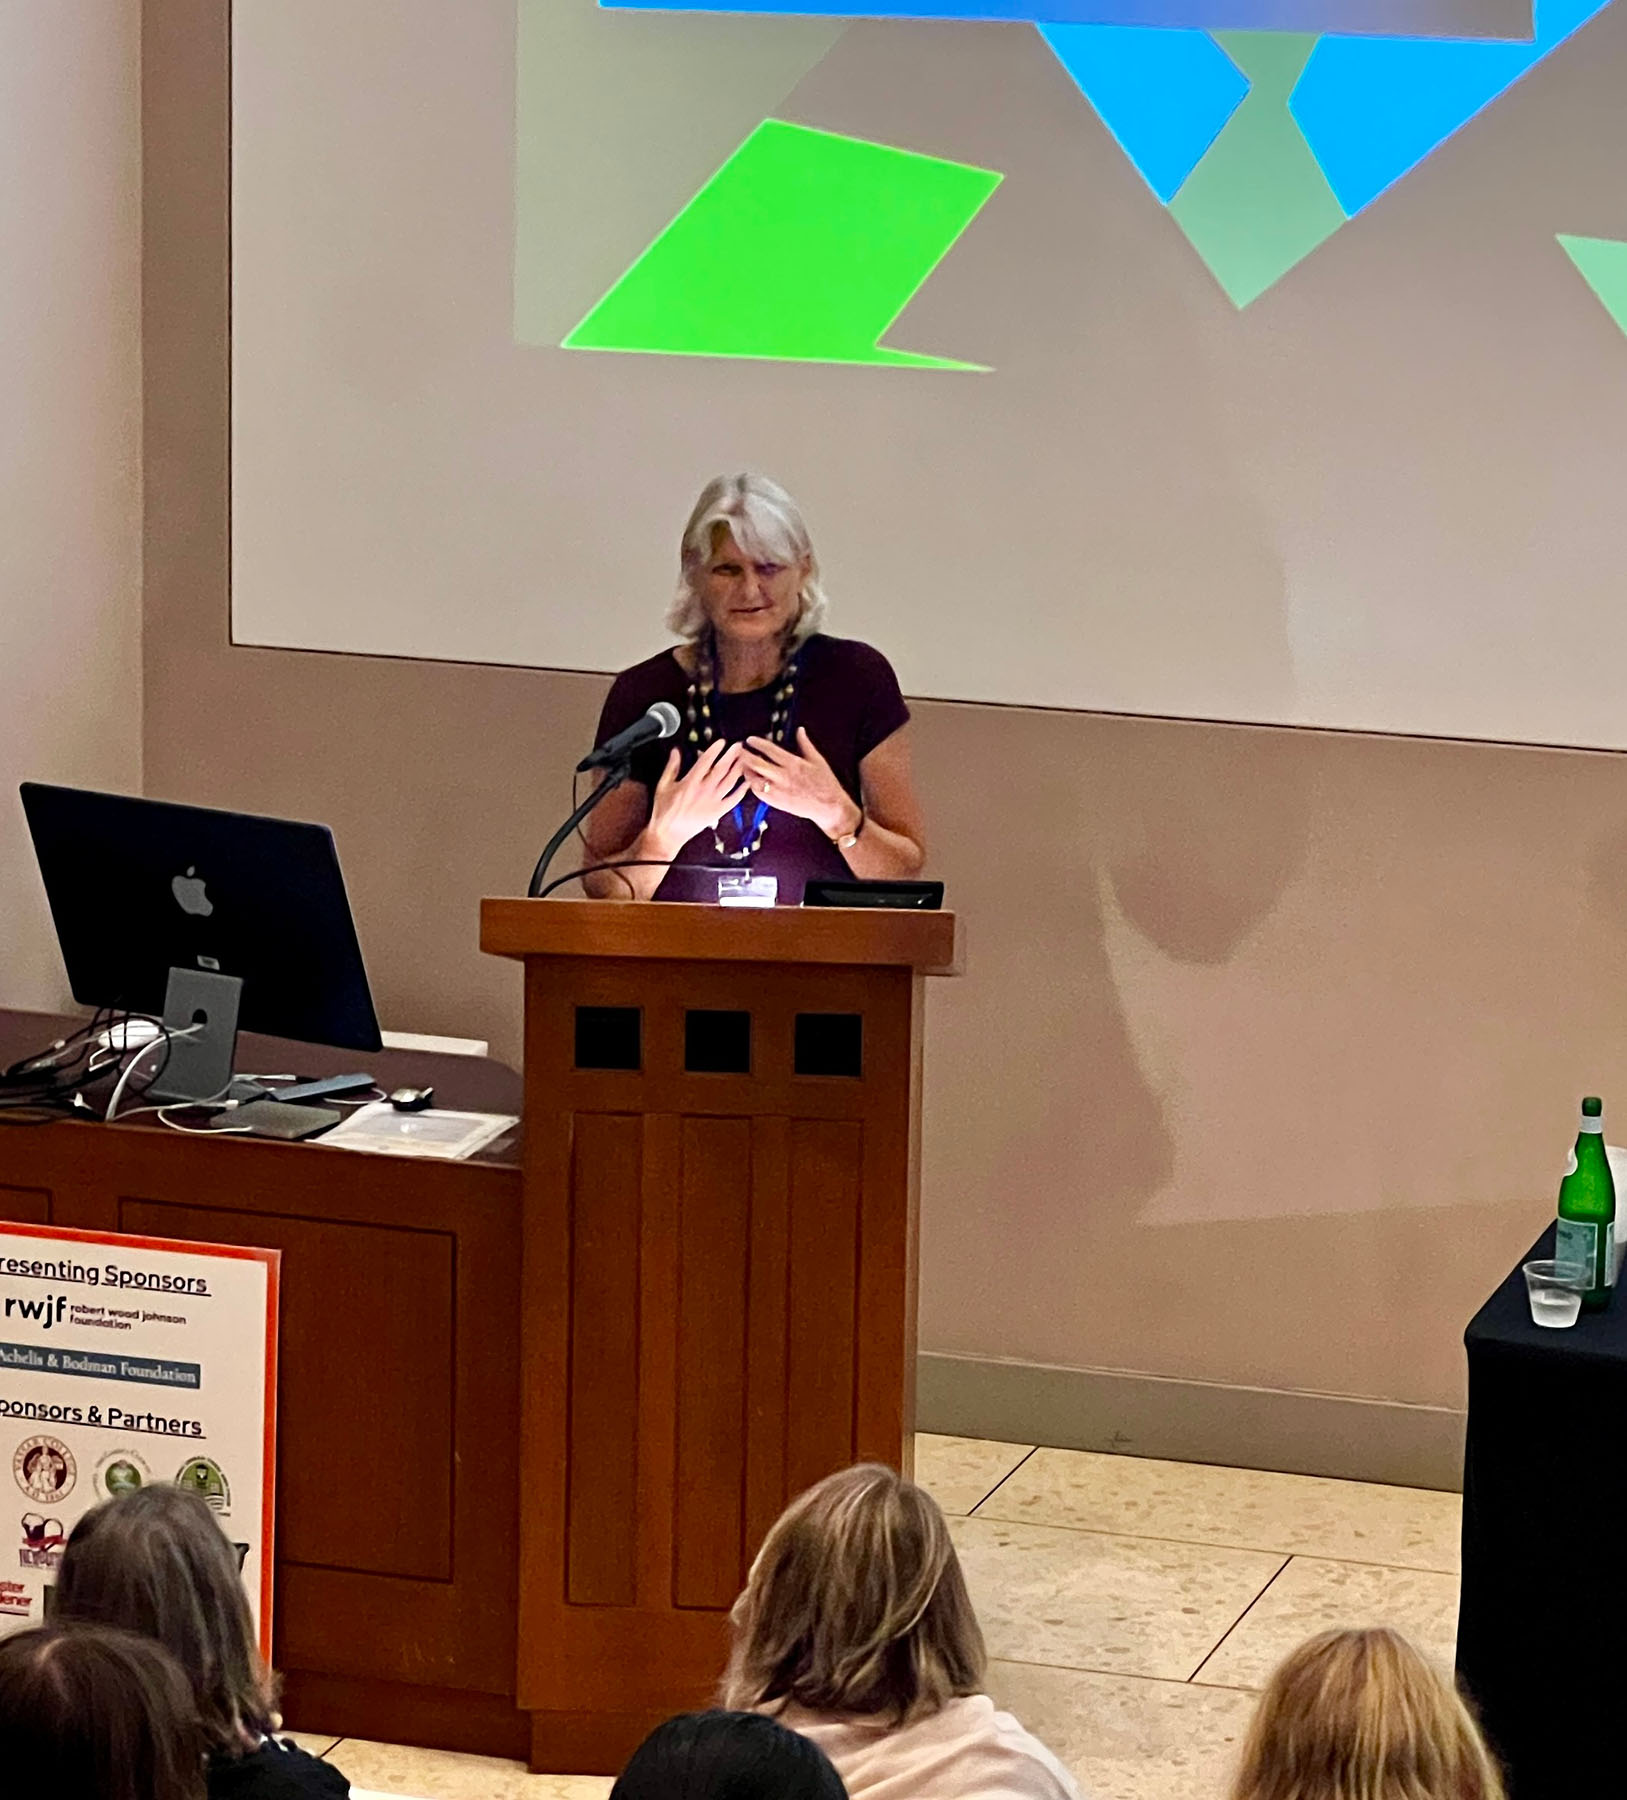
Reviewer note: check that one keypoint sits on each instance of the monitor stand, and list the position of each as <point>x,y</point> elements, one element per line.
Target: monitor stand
<point>199,1065</point>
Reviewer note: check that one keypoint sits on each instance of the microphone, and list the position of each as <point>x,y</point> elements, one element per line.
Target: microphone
<point>661,721</point>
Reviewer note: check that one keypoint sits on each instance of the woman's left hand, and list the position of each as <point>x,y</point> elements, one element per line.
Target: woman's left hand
<point>804,785</point>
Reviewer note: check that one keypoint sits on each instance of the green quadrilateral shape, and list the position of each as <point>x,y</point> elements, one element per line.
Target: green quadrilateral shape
<point>1602,264</point>
<point>1258,203</point>
<point>804,247</point>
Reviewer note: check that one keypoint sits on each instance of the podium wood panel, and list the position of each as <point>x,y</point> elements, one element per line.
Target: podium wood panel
<point>850,936</point>
<point>718,1296</point>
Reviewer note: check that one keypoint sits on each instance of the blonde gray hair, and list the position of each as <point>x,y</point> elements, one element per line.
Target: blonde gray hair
<point>1362,1715</point>
<point>856,1604</point>
<point>767,525</point>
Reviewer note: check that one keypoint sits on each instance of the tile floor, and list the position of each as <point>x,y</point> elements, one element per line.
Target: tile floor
<point>1131,1608</point>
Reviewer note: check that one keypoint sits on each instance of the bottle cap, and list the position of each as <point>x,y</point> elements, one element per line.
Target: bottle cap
<point>1592,1107</point>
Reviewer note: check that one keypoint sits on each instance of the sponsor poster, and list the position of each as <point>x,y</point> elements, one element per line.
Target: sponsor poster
<point>123,1361</point>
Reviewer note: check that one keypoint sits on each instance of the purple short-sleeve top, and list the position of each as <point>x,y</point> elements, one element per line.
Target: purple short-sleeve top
<point>848,701</point>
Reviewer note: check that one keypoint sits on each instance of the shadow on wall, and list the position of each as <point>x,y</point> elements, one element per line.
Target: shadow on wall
<point>1061,835</point>
<point>1268,1050</point>
<point>1137,831</point>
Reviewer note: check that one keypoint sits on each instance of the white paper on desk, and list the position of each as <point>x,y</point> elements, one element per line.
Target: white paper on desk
<point>448,1135</point>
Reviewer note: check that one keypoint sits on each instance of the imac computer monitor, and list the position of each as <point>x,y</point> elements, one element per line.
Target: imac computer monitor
<point>140,887</point>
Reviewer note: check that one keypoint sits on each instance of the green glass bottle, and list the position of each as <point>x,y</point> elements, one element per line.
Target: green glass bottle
<point>1587,1208</point>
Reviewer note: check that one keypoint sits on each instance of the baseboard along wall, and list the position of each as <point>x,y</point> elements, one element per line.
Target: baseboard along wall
<point>1338,1435</point>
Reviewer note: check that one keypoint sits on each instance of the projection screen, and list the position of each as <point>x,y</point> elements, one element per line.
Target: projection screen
<point>1256,360</point>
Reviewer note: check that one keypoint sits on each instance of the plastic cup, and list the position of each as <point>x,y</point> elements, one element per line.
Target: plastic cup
<point>1555,1291</point>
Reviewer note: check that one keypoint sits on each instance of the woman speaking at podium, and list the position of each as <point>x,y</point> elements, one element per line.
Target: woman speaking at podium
<point>792,757</point>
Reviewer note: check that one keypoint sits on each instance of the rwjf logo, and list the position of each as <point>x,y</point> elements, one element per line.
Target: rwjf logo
<point>44,1313</point>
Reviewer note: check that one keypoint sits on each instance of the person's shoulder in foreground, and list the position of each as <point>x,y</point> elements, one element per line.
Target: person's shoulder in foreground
<point>967,1750</point>
<point>278,1770</point>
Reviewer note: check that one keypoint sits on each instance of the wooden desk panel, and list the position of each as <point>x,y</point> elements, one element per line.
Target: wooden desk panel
<point>28,1206</point>
<point>398,1477</point>
<point>381,1359</point>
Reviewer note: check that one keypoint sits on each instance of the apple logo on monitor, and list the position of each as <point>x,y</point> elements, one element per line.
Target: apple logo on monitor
<point>190,895</point>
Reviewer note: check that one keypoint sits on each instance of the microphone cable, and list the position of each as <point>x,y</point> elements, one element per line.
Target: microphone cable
<point>606,868</point>
<point>639,862</point>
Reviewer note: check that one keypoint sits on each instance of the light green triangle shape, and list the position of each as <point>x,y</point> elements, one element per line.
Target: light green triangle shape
<point>1258,203</point>
<point>804,247</point>
<point>1602,264</point>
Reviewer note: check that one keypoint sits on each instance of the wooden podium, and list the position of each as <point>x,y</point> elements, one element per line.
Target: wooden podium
<point>722,1120</point>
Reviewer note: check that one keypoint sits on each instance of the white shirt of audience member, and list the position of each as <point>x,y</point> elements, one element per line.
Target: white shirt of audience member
<point>967,1750</point>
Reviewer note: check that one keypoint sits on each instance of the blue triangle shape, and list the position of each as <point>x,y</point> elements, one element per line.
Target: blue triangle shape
<point>1164,94</point>
<point>1373,108</point>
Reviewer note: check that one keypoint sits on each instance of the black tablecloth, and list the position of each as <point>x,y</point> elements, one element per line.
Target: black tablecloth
<point>1542,1634</point>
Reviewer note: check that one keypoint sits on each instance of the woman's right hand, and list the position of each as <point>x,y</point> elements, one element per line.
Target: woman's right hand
<point>685,804</point>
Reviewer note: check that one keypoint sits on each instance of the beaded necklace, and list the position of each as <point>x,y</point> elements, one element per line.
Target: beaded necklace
<point>698,717</point>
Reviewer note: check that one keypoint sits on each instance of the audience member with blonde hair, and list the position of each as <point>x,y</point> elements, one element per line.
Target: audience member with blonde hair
<point>855,1629</point>
<point>1361,1715</point>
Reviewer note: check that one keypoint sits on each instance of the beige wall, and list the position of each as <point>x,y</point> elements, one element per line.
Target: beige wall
<point>1267,1051</point>
<point>70,491</point>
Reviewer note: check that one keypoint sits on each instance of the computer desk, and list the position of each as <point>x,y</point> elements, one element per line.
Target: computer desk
<point>397,1482</point>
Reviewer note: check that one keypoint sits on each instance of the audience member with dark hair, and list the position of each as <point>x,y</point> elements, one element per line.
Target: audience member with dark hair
<point>155,1561</point>
<point>856,1630</point>
<point>727,1756</point>
<point>1361,1715</point>
<point>93,1714</point>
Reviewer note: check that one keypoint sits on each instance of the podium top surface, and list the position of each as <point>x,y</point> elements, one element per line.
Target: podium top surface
<point>860,936</point>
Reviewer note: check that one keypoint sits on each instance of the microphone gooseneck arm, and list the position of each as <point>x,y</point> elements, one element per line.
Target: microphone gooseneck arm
<point>615,775</point>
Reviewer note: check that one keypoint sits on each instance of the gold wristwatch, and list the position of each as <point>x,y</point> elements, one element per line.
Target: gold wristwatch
<point>849,838</point>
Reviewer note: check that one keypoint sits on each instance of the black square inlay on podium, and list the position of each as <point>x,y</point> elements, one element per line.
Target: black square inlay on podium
<point>830,1044</point>
<point>717,1043</point>
<point>609,1037</point>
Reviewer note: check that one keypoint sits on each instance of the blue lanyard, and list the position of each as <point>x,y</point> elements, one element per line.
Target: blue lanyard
<point>757,818</point>
<point>743,832</point>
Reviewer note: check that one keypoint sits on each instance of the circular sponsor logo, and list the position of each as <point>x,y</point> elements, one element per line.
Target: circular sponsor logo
<point>120,1472</point>
<point>44,1468</point>
<point>203,1478</point>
